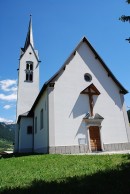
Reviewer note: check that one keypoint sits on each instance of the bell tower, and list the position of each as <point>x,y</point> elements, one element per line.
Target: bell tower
<point>28,74</point>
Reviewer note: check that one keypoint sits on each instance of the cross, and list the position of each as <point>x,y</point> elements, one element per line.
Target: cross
<point>91,103</point>
<point>90,91</point>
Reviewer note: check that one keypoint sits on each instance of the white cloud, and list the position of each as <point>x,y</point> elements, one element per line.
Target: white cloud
<point>5,120</point>
<point>8,85</point>
<point>10,97</point>
<point>8,93</point>
<point>7,106</point>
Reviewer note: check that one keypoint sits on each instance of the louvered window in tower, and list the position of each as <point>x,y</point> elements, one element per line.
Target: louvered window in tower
<point>29,71</point>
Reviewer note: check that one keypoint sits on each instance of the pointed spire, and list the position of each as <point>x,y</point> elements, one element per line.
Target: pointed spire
<point>29,38</point>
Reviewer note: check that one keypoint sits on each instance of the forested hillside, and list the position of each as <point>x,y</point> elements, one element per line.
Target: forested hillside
<point>7,132</point>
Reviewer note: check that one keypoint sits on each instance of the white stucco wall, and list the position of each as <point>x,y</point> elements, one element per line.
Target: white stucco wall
<point>70,106</point>
<point>25,140</point>
<point>51,116</point>
<point>27,91</point>
<point>41,137</point>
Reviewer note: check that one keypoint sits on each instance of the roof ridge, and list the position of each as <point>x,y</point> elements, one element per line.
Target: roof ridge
<point>84,39</point>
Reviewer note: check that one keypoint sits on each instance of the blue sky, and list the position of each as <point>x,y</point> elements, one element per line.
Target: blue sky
<point>58,26</point>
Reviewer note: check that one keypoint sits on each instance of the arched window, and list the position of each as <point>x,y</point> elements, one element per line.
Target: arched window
<point>41,119</point>
<point>29,71</point>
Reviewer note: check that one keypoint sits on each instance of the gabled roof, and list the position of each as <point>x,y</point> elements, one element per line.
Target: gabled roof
<point>84,39</point>
<point>96,116</point>
<point>34,51</point>
<point>110,74</point>
<point>26,114</point>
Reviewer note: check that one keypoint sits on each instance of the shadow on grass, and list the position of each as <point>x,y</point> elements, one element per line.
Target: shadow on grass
<point>11,155</point>
<point>107,182</point>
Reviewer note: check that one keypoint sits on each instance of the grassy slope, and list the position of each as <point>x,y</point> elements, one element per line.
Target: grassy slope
<point>65,174</point>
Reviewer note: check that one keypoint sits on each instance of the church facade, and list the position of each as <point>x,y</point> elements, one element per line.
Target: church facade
<point>80,109</point>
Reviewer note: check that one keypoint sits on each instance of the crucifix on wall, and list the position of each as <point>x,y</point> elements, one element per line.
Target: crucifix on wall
<point>91,90</point>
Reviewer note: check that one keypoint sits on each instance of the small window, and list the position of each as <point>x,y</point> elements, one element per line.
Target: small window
<point>29,65</point>
<point>29,130</point>
<point>41,119</point>
<point>35,124</point>
<point>87,77</point>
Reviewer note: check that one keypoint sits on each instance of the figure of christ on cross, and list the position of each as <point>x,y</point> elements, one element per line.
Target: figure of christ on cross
<point>91,90</point>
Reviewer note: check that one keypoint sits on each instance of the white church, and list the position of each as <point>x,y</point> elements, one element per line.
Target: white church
<point>80,109</point>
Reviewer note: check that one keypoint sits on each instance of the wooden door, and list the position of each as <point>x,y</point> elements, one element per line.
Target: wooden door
<point>95,141</point>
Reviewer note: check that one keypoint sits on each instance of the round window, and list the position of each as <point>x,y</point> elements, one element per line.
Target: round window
<point>87,77</point>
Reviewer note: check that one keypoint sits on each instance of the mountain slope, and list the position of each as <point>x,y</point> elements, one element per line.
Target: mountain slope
<point>7,131</point>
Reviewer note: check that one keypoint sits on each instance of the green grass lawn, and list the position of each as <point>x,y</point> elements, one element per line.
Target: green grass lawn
<point>59,174</point>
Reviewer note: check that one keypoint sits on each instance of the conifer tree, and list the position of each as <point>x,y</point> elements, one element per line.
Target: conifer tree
<point>125,18</point>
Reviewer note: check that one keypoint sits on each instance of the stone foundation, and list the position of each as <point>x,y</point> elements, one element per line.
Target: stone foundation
<point>77,149</point>
<point>69,149</point>
<point>116,146</point>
